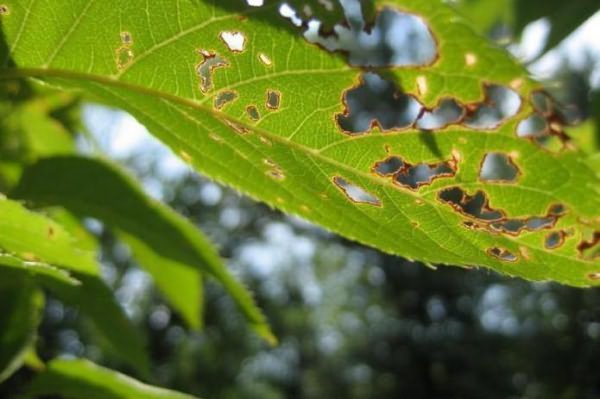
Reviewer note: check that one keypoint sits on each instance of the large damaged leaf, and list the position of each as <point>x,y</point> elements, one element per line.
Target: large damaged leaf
<point>242,96</point>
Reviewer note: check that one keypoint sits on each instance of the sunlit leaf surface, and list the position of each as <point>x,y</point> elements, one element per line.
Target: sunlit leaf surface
<point>238,93</point>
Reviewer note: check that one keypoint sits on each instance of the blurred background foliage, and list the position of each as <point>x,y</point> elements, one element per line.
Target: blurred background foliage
<point>351,322</point>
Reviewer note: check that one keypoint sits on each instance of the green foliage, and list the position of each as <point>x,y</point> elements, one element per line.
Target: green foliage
<point>160,238</point>
<point>239,94</point>
<point>74,379</point>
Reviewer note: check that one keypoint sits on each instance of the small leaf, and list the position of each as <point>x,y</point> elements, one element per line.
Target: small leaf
<point>76,379</point>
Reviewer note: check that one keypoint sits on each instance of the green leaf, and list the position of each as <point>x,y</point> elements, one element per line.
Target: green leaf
<point>34,241</point>
<point>277,138</point>
<point>171,248</point>
<point>33,237</point>
<point>20,314</point>
<point>181,284</point>
<point>77,379</point>
<point>36,268</point>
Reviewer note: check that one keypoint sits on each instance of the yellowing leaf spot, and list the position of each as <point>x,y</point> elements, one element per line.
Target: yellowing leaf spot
<point>126,38</point>
<point>124,54</point>
<point>265,59</point>
<point>185,156</point>
<point>124,57</point>
<point>265,141</point>
<point>4,10</point>
<point>215,137</point>
<point>470,59</point>
<point>421,85</point>
<point>516,84</point>
<point>274,171</point>
<point>235,41</point>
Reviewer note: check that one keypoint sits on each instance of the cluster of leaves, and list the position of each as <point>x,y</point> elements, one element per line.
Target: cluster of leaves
<point>241,95</point>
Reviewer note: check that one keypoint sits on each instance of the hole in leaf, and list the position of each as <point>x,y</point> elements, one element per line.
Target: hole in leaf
<point>376,102</point>
<point>554,239</point>
<point>252,112</point>
<point>224,98</point>
<point>500,103</point>
<point>423,174</point>
<point>538,223</point>
<point>475,206</point>
<point>542,102</point>
<point>388,166</point>
<point>447,113</point>
<point>355,193</point>
<point>273,99</point>
<point>414,176</point>
<point>510,226</point>
<point>498,167</point>
<point>210,62</point>
<point>533,126</point>
<point>235,41</point>
<point>394,39</point>
<point>590,249</point>
<point>502,254</point>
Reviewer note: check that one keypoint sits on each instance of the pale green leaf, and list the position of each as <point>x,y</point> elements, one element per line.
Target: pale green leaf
<point>79,379</point>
